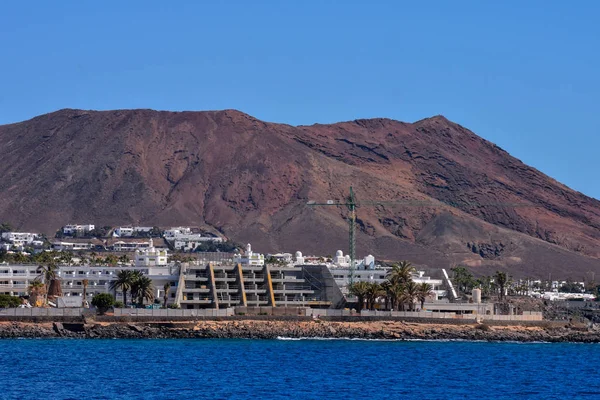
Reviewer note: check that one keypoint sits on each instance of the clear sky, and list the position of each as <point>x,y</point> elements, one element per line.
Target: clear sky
<point>523,74</point>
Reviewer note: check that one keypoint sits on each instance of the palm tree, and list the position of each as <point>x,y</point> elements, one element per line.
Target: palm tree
<point>398,292</point>
<point>36,289</point>
<point>124,282</point>
<point>400,273</point>
<point>84,283</point>
<point>410,294</point>
<point>501,279</point>
<point>48,273</point>
<point>386,288</point>
<point>142,289</point>
<point>424,290</point>
<point>359,289</point>
<point>167,288</point>
<point>374,291</point>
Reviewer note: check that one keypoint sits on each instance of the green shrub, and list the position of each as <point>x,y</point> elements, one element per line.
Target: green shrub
<point>7,301</point>
<point>118,304</point>
<point>173,306</point>
<point>103,301</point>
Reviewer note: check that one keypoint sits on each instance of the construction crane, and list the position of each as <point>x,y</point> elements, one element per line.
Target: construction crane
<point>353,204</point>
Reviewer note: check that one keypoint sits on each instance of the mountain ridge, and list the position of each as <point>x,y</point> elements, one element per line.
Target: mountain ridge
<point>250,179</point>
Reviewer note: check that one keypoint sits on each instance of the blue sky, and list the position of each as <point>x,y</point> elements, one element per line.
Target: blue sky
<point>523,74</point>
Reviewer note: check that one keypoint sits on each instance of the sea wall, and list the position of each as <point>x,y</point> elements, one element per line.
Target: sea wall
<point>272,329</point>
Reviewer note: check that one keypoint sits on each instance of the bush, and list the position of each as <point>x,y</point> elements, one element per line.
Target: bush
<point>103,301</point>
<point>173,306</point>
<point>7,301</point>
<point>118,304</point>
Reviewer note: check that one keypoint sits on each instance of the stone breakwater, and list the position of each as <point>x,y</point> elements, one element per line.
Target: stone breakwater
<point>298,329</point>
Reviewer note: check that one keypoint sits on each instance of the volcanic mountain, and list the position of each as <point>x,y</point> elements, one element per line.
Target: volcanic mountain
<point>432,192</point>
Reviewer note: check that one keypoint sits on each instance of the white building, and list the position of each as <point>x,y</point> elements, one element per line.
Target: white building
<point>22,239</point>
<point>281,257</point>
<point>365,270</point>
<point>16,279</point>
<point>72,229</point>
<point>178,230</point>
<point>151,256</point>
<point>72,246</point>
<point>128,231</point>
<point>131,245</point>
<point>250,258</point>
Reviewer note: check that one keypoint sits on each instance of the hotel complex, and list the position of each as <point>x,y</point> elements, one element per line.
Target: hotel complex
<point>220,280</point>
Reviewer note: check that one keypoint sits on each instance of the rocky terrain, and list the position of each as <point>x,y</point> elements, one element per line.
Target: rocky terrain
<point>431,191</point>
<point>255,329</point>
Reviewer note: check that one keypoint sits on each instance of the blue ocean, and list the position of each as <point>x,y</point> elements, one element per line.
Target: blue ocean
<point>295,369</point>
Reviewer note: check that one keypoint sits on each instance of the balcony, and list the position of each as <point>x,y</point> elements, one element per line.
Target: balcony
<point>196,301</point>
<point>196,290</point>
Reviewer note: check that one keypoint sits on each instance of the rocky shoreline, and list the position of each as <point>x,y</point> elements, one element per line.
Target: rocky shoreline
<point>251,329</point>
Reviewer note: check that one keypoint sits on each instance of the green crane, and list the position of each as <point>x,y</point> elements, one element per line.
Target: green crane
<point>353,204</point>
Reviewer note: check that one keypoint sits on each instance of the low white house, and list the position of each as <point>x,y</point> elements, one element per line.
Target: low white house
<point>151,256</point>
<point>72,229</point>
<point>131,245</point>
<point>21,239</point>
<point>250,258</point>
<point>128,231</point>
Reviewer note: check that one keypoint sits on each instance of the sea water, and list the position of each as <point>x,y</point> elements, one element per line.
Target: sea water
<point>295,369</point>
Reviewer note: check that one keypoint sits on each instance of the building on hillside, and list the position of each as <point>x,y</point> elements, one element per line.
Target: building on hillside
<point>75,244</point>
<point>175,231</point>
<point>128,231</point>
<point>124,244</point>
<point>77,229</point>
<point>151,256</point>
<point>20,240</point>
<point>190,242</point>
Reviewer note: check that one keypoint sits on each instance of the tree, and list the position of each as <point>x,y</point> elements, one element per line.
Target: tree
<point>124,282</point>
<point>424,290</point>
<point>8,301</point>
<point>167,288</point>
<point>360,290</point>
<point>35,290</point>
<point>410,295</point>
<point>464,279</point>
<point>103,301</point>
<point>401,273</point>
<point>386,287</point>
<point>374,291</point>
<point>501,279</point>
<point>85,284</point>
<point>48,274</point>
<point>124,259</point>
<point>142,289</point>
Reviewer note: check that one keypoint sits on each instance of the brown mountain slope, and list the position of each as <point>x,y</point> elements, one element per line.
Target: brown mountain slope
<point>251,180</point>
